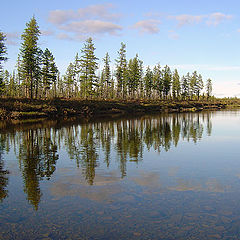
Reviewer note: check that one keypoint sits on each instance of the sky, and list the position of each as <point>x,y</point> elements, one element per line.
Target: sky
<point>187,35</point>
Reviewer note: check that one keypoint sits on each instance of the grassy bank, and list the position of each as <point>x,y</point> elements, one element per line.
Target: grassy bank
<point>23,108</point>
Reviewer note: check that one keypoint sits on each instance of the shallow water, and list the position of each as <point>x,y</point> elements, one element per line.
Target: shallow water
<point>173,176</point>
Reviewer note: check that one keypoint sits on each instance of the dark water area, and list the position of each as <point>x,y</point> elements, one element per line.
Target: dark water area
<point>168,176</point>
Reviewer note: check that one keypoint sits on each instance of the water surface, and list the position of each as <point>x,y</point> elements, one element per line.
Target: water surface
<point>168,176</point>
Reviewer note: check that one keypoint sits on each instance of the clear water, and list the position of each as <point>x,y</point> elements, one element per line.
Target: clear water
<point>173,176</point>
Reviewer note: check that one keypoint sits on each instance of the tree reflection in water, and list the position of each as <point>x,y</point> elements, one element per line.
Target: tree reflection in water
<point>3,173</point>
<point>37,146</point>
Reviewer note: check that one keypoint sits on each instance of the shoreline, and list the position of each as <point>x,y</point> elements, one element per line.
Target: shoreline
<point>23,108</point>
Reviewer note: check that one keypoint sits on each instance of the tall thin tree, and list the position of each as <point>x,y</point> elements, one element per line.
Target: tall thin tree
<point>30,57</point>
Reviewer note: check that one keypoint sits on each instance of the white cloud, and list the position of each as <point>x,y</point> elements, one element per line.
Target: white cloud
<point>154,15</point>
<point>147,26</point>
<point>47,32</point>
<point>91,20</point>
<point>100,11</point>
<point>64,36</point>
<point>92,27</point>
<point>217,18</point>
<point>213,19</point>
<point>185,19</point>
<point>61,16</point>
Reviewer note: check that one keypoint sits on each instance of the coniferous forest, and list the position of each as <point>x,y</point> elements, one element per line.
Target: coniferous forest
<point>37,75</point>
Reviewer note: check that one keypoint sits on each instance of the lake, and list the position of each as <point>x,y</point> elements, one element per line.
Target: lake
<point>167,176</point>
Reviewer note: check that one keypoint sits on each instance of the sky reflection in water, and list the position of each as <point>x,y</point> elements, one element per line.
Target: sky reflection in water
<point>165,176</point>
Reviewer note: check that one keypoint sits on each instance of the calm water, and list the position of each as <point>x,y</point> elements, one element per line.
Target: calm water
<point>173,176</point>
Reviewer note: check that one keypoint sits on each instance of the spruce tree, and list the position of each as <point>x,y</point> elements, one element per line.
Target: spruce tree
<point>121,72</point>
<point>76,77</point>
<point>209,88</point>
<point>69,79</point>
<point>176,86</point>
<point>12,87</point>
<point>158,80</point>
<point>3,48</point>
<point>135,72</point>
<point>88,65</point>
<point>3,53</point>
<point>106,74</point>
<point>199,85</point>
<point>167,80</point>
<point>5,83</point>
<point>185,86</point>
<point>49,71</point>
<point>30,57</point>
<point>148,82</point>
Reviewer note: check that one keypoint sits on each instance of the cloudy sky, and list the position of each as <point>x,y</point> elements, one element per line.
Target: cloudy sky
<point>187,35</point>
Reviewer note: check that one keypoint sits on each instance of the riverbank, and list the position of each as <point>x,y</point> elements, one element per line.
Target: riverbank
<point>23,108</point>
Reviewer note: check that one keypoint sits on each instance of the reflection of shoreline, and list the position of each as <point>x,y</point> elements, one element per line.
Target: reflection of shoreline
<point>21,125</point>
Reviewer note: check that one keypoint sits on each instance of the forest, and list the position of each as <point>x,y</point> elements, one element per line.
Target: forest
<point>37,76</point>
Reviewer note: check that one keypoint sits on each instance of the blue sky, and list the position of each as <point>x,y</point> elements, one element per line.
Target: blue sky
<point>186,35</point>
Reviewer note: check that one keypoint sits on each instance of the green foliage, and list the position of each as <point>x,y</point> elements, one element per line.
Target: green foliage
<point>135,73</point>
<point>69,79</point>
<point>106,75</point>
<point>167,80</point>
<point>88,66</point>
<point>121,72</point>
<point>185,86</point>
<point>158,80</point>
<point>3,53</point>
<point>176,85</point>
<point>148,82</point>
<point>199,85</point>
<point>30,58</point>
<point>37,75</point>
<point>3,48</point>
<point>209,88</point>
<point>49,71</point>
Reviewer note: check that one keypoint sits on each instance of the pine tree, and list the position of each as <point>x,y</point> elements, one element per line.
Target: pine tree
<point>3,53</point>
<point>6,81</point>
<point>106,74</point>
<point>69,79</point>
<point>176,86</point>
<point>199,85</point>
<point>121,72</point>
<point>59,86</point>
<point>135,72</point>
<point>209,88</point>
<point>185,86</point>
<point>12,87</point>
<point>192,83</point>
<point>3,48</point>
<point>49,71</point>
<point>167,80</point>
<point>148,82</point>
<point>30,56</point>
<point>88,65</point>
<point>76,76</point>
<point>158,80</point>
<point>112,88</point>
